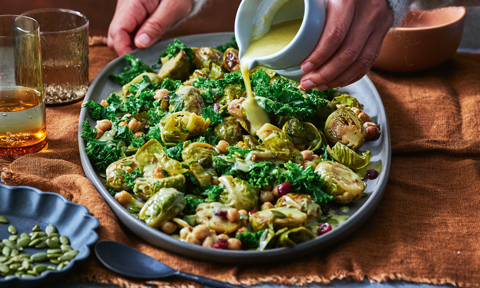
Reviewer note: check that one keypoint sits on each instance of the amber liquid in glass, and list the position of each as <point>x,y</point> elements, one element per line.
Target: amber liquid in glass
<point>22,121</point>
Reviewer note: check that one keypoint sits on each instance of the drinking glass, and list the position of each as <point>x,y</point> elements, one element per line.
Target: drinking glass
<point>22,108</point>
<point>64,38</point>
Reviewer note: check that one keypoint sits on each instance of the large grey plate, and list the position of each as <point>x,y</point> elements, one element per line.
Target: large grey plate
<point>359,211</point>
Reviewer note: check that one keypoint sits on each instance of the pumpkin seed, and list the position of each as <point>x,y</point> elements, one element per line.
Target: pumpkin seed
<point>68,256</point>
<point>8,243</point>
<point>3,220</point>
<point>39,257</point>
<point>103,175</point>
<point>4,268</point>
<point>54,251</point>
<point>24,235</point>
<point>23,242</point>
<point>30,274</point>
<point>14,266</point>
<point>36,228</point>
<point>60,266</point>
<point>54,256</point>
<point>41,245</point>
<point>119,172</point>
<point>40,268</point>
<point>53,243</point>
<point>54,261</point>
<point>9,276</point>
<point>25,264</point>
<point>50,229</point>
<point>13,238</point>
<point>278,214</point>
<point>66,248</point>
<point>51,235</point>
<point>127,163</point>
<point>64,240</point>
<point>14,252</point>
<point>6,251</point>
<point>34,242</point>
<point>34,235</point>
<point>12,230</point>
<point>3,258</point>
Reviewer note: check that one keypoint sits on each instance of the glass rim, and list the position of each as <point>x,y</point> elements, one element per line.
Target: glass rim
<point>24,32</point>
<point>42,10</point>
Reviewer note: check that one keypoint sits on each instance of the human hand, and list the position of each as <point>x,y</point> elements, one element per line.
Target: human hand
<point>350,43</point>
<point>151,18</point>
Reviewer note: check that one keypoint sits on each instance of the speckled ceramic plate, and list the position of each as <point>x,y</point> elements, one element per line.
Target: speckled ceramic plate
<point>358,212</point>
<point>25,207</point>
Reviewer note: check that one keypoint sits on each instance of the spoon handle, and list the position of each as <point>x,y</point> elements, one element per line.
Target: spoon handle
<point>205,281</point>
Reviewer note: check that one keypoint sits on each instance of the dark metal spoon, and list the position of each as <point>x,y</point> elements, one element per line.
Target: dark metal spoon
<point>130,262</point>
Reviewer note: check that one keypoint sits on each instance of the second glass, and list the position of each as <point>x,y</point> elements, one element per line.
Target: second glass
<point>64,38</point>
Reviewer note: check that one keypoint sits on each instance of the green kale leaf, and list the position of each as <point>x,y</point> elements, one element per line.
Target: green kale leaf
<point>224,47</point>
<point>173,49</point>
<point>191,205</point>
<point>137,67</point>
<point>250,240</point>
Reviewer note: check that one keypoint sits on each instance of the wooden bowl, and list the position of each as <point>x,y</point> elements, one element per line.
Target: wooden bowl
<point>424,40</point>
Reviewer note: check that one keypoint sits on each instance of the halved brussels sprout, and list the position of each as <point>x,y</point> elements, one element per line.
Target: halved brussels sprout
<point>231,62</point>
<point>314,138</point>
<point>200,174</point>
<point>204,57</point>
<point>180,126</point>
<point>345,127</point>
<point>151,155</point>
<point>295,132</point>
<point>200,153</point>
<point>177,68</point>
<point>249,114</point>
<point>146,187</point>
<point>229,130</point>
<point>117,170</point>
<point>348,101</point>
<point>295,236</point>
<point>231,92</point>
<point>266,130</point>
<point>192,100</point>
<point>277,148</point>
<point>154,78</point>
<point>207,214</point>
<point>302,202</point>
<point>342,183</point>
<point>348,157</point>
<point>238,193</point>
<point>216,72</point>
<point>280,217</point>
<point>162,206</point>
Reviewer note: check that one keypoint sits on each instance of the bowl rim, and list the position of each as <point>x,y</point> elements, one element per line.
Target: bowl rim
<point>460,18</point>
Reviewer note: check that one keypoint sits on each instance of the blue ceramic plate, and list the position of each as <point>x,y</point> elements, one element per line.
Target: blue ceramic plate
<point>25,207</point>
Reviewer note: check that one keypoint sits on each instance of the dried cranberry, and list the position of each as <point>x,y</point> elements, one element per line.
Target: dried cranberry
<point>371,174</point>
<point>284,188</point>
<point>221,244</point>
<point>216,107</point>
<point>166,98</point>
<point>252,212</point>
<point>220,213</point>
<point>324,228</point>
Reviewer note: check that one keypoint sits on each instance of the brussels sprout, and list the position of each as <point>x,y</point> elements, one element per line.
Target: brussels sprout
<point>238,193</point>
<point>180,126</point>
<point>230,92</point>
<point>278,148</point>
<point>252,120</point>
<point>192,100</point>
<point>162,206</point>
<point>251,141</point>
<point>269,238</point>
<point>200,174</point>
<point>266,130</point>
<point>315,138</point>
<point>324,109</point>
<point>302,202</point>
<point>151,155</point>
<point>342,183</point>
<point>146,187</point>
<point>177,68</point>
<point>200,153</point>
<point>154,78</point>
<point>117,170</point>
<point>208,214</point>
<point>204,57</point>
<point>347,101</point>
<point>348,157</point>
<point>280,217</point>
<point>295,236</point>
<point>293,128</point>
<point>231,62</point>
<point>229,130</point>
<point>130,203</point>
<point>345,127</point>
<point>197,74</point>
<point>235,108</point>
<point>216,72</point>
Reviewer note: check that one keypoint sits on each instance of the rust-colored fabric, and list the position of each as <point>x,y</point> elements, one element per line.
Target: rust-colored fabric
<point>426,228</point>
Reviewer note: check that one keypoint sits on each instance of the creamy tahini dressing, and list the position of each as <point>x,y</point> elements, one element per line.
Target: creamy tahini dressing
<point>275,40</point>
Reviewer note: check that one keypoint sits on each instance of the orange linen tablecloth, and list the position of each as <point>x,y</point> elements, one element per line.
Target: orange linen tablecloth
<point>426,228</point>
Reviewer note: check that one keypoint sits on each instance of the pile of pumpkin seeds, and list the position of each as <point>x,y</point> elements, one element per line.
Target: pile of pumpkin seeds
<point>13,263</point>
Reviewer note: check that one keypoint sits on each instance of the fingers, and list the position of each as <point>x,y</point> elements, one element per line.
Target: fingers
<point>358,50</point>
<point>167,13</point>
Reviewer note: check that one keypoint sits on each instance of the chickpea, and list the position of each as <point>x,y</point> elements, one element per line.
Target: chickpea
<point>161,93</point>
<point>185,232</point>
<point>267,187</point>
<point>340,106</point>
<point>309,163</point>
<point>192,239</point>
<point>213,232</point>
<point>138,134</point>
<point>223,236</point>
<point>365,117</point>
<point>275,190</point>
<point>123,198</point>
<point>234,244</point>
<point>128,169</point>
<point>242,145</point>
<point>99,134</point>
<point>201,231</point>
<point>157,173</point>
<point>355,110</point>
<point>315,156</point>
<point>215,180</point>
<point>169,227</point>
<point>241,230</point>
<point>104,125</point>
<point>222,146</point>
<point>208,242</point>
<point>233,215</point>
<point>372,130</point>
<point>134,125</point>
<point>266,205</point>
<point>243,211</point>
<point>104,103</point>
<point>266,196</point>
<point>307,155</point>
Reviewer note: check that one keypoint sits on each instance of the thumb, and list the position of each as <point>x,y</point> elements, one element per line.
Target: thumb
<point>166,14</point>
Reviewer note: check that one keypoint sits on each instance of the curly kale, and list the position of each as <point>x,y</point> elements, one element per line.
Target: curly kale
<point>137,67</point>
